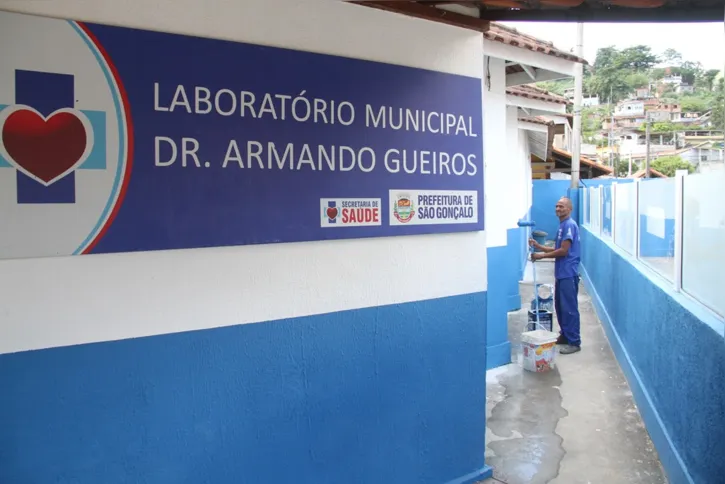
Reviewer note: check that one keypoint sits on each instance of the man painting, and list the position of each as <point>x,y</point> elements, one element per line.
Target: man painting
<point>566,254</point>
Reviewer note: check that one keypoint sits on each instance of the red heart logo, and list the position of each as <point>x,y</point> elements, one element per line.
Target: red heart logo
<point>46,149</point>
<point>332,212</point>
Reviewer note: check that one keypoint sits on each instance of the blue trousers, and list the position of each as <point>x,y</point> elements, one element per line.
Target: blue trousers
<point>566,305</point>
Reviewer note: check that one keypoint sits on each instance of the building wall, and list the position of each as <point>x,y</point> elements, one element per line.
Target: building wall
<point>358,361</point>
<point>546,194</point>
<point>673,354</point>
<point>508,197</point>
<point>695,156</point>
<point>501,272</point>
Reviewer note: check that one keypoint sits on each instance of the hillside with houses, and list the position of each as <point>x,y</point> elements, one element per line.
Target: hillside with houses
<point>636,102</point>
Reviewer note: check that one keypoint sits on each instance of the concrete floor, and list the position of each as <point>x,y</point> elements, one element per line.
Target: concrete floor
<point>576,424</point>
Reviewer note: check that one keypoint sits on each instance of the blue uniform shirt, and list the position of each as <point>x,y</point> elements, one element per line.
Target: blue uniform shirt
<point>568,266</point>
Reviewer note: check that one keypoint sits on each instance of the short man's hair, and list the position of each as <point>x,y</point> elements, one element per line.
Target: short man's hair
<point>567,201</point>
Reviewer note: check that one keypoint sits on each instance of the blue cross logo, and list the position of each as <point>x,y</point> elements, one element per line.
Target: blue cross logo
<point>47,92</point>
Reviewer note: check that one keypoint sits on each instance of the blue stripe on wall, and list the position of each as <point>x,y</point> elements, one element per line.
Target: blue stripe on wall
<point>500,268</point>
<point>392,394</point>
<point>505,269</point>
<point>673,359</point>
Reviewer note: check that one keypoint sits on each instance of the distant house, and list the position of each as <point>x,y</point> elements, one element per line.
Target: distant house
<point>664,112</point>
<point>631,107</point>
<point>633,113</point>
<point>632,144</point>
<point>710,166</point>
<point>633,121</point>
<point>642,93</point>
<point>675,79</point>
<point>701,119</point>
<point>705,152</point>
<point>685,88</point>
<point>588,100</point>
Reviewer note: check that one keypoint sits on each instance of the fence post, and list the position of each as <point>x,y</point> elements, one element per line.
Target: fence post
<point>679,213</point>
<point>600,211</point>
<point>636,217</point>
<point>614,212</point>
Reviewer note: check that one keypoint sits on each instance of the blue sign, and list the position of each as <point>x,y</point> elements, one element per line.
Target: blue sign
<point>117,140</point>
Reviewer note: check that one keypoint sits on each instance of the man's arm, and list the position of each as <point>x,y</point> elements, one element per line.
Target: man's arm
<point>553,253</point>
<point>540,247</point>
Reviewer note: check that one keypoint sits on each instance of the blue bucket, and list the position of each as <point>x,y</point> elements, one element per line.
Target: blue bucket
<point>545,320</point>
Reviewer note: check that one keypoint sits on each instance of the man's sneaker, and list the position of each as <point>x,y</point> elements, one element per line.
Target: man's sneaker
<point>561,340</point>
<point>569,349</point>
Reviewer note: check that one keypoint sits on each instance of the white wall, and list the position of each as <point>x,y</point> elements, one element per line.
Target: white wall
<point>64,301</point>
<point>496,152</point>
<point>519,178</point>
<point>508,165</point>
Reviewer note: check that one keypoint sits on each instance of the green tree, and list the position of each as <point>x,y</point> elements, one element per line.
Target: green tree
<point>638,58</point>
<point>690,71</point>
<point>605,57</point>
<point>666,127</point>
<point>616,73</point>
<point>657,73</point>
<point>696,104</point>
<point>707,79</point>
<point>610,82</point>
<point>636,80</point>
<point>622,167</point>
<point>671,57</point>
<point>718,106</point>
<point>667,165</point>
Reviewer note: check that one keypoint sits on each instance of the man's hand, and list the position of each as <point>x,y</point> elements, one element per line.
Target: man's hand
<point>535,244</point>
<point>537,256</point>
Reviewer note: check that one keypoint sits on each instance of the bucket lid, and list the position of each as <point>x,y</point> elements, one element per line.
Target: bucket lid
<point>544,291</point>
<point>539,337</point>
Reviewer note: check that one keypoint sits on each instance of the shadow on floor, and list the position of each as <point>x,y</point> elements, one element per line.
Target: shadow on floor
<point>576,424</point>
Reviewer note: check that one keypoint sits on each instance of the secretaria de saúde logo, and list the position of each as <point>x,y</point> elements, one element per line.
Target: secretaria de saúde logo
<point>64,138</point>
<point>403,208</point>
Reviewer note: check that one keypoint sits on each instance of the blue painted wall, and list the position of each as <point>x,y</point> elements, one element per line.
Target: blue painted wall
<point>673,354</point>
<point>607,210</point>
<point>506,265</point>
<point>505,270</point>
<point>653,246</point>
<point>546,194</point>
<point>391,394</point>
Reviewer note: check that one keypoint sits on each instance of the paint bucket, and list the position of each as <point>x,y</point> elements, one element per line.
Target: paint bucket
<point>538,350</point>
<point>545,320</point>
<point>539,236</point>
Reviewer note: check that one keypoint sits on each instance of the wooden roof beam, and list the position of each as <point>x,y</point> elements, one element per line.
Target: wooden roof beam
<point>428,12</point>
<point>679,12</point>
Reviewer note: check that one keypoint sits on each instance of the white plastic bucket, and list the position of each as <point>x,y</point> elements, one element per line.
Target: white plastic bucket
<point>538,350</point>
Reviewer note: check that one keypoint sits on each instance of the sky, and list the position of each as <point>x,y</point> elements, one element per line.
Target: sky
<point>704,42</point>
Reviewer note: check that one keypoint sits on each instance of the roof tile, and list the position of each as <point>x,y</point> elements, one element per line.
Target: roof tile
<point>510,36</point>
